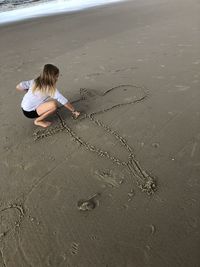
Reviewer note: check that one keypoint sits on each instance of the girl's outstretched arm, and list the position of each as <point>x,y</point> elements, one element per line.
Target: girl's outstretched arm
<point>72,109</point>
<point>64,101</point>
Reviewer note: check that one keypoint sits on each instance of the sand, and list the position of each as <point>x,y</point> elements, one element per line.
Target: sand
<point>118,187</point>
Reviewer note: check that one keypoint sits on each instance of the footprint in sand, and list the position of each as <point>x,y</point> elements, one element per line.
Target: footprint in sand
<point>107,177</point>
<point>74,248</point>
<point>88,204</point>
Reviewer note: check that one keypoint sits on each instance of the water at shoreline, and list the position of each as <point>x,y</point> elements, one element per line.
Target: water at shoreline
<point>16,10</point>
<point>7,5</point>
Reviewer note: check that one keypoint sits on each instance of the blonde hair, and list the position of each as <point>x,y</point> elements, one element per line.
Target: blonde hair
<point>46,82</point>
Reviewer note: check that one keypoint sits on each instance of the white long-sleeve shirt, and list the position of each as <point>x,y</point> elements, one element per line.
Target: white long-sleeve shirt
<point>32,100</point>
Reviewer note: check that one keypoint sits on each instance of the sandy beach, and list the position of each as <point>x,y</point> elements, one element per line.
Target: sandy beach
<point>118,187</point>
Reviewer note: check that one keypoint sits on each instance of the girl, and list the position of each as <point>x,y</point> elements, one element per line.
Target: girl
<point>38,103</point>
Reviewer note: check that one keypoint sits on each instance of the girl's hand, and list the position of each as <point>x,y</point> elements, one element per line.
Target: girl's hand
<point>76,114</point>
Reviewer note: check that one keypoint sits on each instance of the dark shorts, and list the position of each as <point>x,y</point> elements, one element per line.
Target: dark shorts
<point>30,114</point>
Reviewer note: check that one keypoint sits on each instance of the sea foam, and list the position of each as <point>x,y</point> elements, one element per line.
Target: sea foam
<point>49,8</point>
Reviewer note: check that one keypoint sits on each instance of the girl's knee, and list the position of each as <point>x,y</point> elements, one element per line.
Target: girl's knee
<point>54,105</point>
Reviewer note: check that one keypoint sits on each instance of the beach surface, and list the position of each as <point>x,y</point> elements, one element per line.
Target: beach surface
<point>118,187</point>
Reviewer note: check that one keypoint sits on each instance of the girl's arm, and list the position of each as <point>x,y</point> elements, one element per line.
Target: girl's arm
<point>72,109</point>
<point>24,85</point>
<point>64,101</point>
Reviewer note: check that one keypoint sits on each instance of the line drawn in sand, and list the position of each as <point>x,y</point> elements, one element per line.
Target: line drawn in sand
<point>20,214</point>
<point>144,180</point>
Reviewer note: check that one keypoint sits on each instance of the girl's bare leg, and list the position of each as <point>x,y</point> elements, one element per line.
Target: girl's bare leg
<point>44,110</point>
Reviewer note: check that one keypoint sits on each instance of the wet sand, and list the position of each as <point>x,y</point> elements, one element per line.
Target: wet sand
<point>119,187</point>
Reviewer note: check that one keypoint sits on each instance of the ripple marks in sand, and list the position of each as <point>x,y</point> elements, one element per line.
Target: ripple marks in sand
<point>144,181</point>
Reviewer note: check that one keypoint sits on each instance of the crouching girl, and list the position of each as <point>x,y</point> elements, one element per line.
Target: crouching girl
<point>41,96</point>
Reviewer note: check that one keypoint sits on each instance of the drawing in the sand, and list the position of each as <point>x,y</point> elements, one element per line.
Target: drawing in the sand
<point>144,180</point>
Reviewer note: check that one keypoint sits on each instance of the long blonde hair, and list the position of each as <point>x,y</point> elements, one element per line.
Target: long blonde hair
<point>46,82</point>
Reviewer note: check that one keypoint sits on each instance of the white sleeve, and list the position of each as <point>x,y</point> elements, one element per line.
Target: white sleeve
<point>60,98</point>
<point>25,85</point>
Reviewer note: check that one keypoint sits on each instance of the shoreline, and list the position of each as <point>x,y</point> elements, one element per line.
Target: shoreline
<point>46,9</point>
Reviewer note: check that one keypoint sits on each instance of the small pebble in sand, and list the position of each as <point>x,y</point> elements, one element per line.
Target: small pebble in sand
<point>156,145</point>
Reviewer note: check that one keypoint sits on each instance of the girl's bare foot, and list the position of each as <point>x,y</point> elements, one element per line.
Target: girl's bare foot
<point>43,124</point>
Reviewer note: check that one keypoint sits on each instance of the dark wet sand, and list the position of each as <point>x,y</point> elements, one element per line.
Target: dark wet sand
<point>133,69</point>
